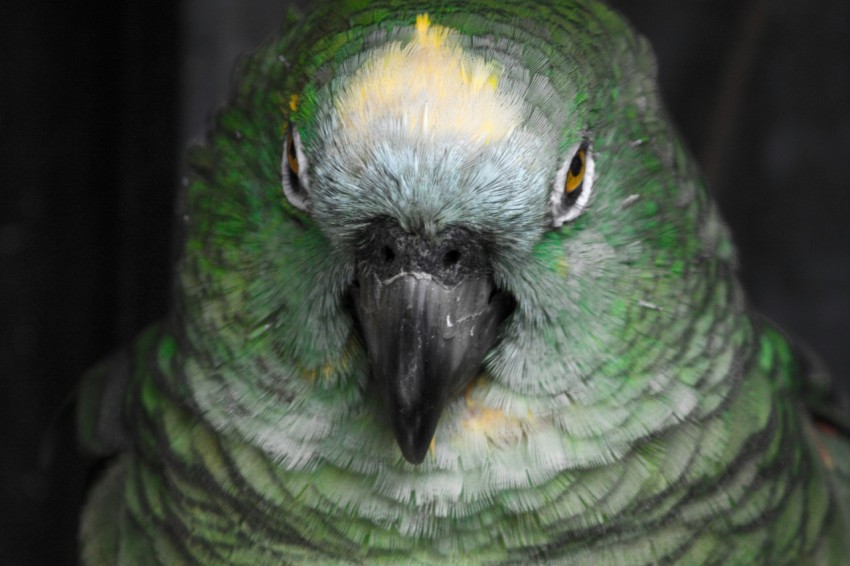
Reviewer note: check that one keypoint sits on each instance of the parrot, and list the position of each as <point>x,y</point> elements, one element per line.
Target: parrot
<point>451,289</point>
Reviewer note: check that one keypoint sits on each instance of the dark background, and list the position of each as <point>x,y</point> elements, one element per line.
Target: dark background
<point>97,102</point>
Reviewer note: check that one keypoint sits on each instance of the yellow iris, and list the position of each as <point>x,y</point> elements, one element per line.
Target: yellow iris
<point>575,174</point>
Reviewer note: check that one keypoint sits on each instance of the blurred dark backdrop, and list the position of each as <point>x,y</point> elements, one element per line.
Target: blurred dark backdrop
<point>98,99</point>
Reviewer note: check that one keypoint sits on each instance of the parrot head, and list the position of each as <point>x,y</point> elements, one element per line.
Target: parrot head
<point>431,166</point>
<point>423,170</point>
<point>472,229</point>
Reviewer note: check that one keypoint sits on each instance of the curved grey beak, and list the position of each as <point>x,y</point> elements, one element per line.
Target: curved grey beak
<point>429,311</point>
<point>426,342</point>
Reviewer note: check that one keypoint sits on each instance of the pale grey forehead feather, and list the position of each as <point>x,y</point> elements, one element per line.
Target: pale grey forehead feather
<point>429,182</point>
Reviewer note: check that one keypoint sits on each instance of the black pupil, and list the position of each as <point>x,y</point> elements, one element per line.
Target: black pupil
<point>576,165</point>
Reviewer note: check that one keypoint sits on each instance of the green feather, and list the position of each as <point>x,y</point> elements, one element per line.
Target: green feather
<point>633,410</point>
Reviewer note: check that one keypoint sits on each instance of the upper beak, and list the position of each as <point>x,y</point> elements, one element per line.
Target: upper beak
<point>426,331</point>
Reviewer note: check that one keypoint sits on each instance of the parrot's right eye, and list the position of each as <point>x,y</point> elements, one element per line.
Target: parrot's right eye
<point>573,183</point>
<point>294,171</point>
<point>291,155</point>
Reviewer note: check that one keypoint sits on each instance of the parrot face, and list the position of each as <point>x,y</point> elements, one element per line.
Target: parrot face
<point>433,169</point>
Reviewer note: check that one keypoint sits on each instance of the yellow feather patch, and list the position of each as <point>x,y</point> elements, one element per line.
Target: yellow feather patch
<point>430,85</point>
<point>493,424</point>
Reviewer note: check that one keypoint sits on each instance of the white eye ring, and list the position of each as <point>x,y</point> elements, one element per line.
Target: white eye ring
<point>564,209</point>
<point>296,186</point>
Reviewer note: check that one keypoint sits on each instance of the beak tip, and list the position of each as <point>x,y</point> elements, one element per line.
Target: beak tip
<point>414,436</point>
<point>414,455</point>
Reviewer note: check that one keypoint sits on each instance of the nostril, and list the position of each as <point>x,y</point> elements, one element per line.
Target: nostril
<point>388,254</point>
<point>451,258</point>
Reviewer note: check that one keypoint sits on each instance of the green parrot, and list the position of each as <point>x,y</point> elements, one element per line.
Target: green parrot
<point>451,290</point>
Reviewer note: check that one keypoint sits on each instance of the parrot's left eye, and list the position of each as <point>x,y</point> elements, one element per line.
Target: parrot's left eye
<point>294,171</point>
<point>573,184</point>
